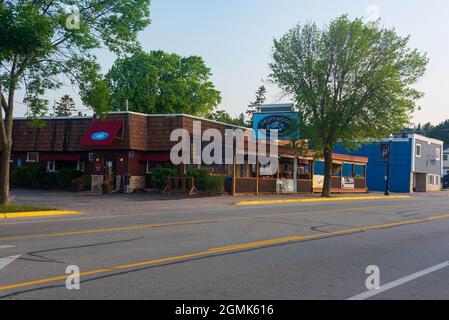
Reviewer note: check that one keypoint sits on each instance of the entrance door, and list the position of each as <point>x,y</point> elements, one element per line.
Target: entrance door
<point>421,182</point>
<point>110,168</point>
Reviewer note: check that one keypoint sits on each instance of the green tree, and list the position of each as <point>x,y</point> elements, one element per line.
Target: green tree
<point>440,132</point>
<point>223,116</point>
<point>65,106</point>
<point>46,43</point>
<point>163,83</point>
<point>254,106</point>
<point>351,81</point>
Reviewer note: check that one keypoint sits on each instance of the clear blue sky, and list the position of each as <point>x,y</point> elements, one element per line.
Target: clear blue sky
<point>235,38</point>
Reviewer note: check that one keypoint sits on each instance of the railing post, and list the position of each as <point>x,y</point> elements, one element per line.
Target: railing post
<point>257,174</point>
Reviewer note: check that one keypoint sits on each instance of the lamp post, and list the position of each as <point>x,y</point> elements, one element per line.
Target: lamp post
<point>390,143</point>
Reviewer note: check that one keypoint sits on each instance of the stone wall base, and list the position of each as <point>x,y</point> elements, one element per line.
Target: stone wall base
<point>136,183</point>
<point>97,181</point>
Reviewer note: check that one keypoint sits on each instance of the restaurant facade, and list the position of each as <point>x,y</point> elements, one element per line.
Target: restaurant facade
<point>125,147</point>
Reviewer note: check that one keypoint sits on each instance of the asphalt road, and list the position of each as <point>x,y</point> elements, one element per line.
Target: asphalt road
<point>213,250</point>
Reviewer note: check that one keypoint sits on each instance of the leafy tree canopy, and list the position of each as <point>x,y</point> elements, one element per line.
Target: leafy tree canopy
<point>42,43</point>
<point>223,116</point>
<point>440,131</point>
<point>45,43</point>
<point>350,80</point>
<point>163,83</point>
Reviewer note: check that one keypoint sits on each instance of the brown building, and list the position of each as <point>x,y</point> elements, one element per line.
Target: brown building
<point>127,144</point>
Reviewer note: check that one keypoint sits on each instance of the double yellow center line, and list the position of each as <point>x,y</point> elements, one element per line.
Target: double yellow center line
<point>226,249</point>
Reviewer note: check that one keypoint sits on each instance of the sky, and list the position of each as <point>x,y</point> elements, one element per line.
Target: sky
<point>235,38</point>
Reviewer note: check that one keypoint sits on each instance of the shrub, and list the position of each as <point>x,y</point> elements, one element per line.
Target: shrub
<point>66,176</point>
<point>205,182</point>
<point>19,178</point>
<point>159,176</point>
<point>51,179</point>
<point>87,180</point>
<point>30,177</point>
<point>35,177</point>
<point>215,184</point>
<point>200,176</point>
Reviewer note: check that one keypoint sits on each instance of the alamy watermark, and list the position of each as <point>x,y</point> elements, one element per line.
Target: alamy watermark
<point>72,22</point>
<point>73,280</point>
<point>210,147</point>
<point>373,280</point>
<point>372,14</point>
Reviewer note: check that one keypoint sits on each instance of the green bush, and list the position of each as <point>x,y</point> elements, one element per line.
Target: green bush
<point>19,177</point>
<point>87,180</point>
<point>66,176</point>
<point>159,176</point>
<point>51,179</point>
<point>30,177</point>
<point>215,184</point>
<point>205,182</point>
<point>35,177</point>
<point>200,176</point>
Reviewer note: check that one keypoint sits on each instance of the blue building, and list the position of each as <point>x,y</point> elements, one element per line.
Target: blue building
<point>416,163</point>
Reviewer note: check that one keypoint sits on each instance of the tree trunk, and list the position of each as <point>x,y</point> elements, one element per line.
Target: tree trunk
<point>327,174</point>
<point>4,174</point>
<point>6,139</point>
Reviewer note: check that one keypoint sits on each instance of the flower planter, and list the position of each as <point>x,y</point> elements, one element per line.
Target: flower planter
<point>106,188</point>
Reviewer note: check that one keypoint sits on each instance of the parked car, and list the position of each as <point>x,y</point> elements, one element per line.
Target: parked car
<point>446,182</point>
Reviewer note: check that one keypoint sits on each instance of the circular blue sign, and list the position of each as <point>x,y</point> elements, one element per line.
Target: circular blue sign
<point>100,136</point>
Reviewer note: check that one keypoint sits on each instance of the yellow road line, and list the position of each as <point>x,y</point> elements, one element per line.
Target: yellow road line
<point>34,214</point>
<point>308,200</point>
<point>182,223</point>
<point>230,248</point>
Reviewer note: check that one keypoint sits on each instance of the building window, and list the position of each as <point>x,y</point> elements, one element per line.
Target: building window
<point>32,156</point>
<point>418,150</point>
<point>431,179</point>
<point>80,166</point>
<point>445,157</point>
<point>438,154</point>
<point>51,166</point>
<point>437,180</point>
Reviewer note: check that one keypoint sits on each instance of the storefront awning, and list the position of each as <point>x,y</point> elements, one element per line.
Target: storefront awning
<point>60,156</point>
<point>101,133</point>
<point>157,157</point>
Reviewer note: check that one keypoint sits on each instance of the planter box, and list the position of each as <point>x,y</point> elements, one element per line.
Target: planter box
<point>106,188</point>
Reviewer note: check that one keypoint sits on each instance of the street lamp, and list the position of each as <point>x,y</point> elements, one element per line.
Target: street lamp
<point>390,143</point>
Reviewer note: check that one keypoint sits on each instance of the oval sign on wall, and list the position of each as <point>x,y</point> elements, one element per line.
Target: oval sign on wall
<point>100,136</point>
<point>286,124</point>
<point>279,123</point>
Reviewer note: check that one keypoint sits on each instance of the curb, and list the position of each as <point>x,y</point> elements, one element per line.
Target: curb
<point>308,200</point>
<point>35,214</point>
